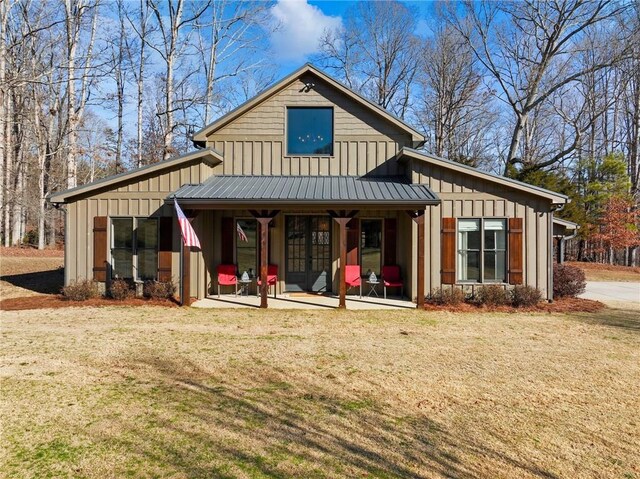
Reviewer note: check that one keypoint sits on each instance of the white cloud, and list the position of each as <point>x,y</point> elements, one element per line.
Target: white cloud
<point>299,27</point>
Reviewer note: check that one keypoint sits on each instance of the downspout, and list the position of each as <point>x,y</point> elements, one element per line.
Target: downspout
<point>556,207</point>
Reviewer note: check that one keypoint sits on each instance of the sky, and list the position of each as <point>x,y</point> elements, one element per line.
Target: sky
<point>302,22</point>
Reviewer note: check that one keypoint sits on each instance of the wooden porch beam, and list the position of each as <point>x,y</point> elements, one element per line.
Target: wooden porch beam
<point>342,218</point>
<point>264,218</point>
<point>418,217</point>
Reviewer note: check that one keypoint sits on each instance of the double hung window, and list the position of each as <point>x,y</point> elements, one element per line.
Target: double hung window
<point>482,250</point>
<point>134,248</point>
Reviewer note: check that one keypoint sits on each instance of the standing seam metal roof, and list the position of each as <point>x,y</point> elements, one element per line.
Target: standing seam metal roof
<point>305,189</point>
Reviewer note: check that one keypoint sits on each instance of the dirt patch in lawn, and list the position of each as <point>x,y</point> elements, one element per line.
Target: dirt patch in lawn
<point>28,252</point>
<point>607,272</point>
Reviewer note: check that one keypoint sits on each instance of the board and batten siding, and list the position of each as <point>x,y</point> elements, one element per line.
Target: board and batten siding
<point>255,142</point>
<point>466,196</point>
<point>141,197</point>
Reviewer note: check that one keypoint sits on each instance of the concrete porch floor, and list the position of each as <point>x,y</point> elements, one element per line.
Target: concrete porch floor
<point>309,301</point>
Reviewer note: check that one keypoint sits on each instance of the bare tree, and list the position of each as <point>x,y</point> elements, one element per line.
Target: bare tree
<point>380,48</point>
<point>453,106</point>
<point>170,28</point>
<point>78,66</point>
<point>528,49</point>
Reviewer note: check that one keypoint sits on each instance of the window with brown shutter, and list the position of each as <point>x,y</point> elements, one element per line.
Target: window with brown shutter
<point>515,251</point>
<point>165,247</point>
<point>353,239</point>
<point>448,251</point>
<point>100,248</point>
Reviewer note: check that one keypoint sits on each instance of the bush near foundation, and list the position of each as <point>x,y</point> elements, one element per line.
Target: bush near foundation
<point>120,290</point>
<point>81,290</point>
<point>493,295</point>
<point>525,296</point>
<point>568,281</point>
<point>159,289</point>
<point>446,296</point>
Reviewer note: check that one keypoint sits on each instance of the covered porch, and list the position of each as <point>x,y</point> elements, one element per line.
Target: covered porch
<point>282,236</point>
<point>304,301</point>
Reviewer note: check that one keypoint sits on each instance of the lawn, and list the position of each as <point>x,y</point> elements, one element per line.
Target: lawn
<point>186,393</point>
<point>608,272</point>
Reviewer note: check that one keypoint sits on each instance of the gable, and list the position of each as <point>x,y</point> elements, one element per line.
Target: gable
<point>257,114</point>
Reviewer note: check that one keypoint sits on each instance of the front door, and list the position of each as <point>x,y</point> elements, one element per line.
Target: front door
<point>308,253</point>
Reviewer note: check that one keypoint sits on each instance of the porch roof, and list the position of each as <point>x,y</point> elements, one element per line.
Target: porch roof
<point>389,191</point>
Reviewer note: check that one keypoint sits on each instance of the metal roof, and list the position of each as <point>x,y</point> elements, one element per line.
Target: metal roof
<point>303,190</point>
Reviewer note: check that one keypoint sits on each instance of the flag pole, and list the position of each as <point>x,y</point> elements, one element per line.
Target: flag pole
<point>181,262</point>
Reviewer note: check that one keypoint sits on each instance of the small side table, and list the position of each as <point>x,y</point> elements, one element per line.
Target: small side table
<point>372,288</point>
<point>244,286</point>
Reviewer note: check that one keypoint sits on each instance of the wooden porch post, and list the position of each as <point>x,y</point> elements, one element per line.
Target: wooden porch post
<point>264,218</point>
<point>342,219</point>
<point>418,218</point>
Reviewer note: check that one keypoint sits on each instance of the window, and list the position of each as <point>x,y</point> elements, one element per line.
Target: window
<point>122,248</point>
<point>482,250</point>
<point>247,246</point>
<point>147,248</point>
<point>134,248</point>
<point>371,246</point>
<point>310,131</point>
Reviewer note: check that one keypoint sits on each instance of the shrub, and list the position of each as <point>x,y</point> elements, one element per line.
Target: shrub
<point>120,290</point>
<point>568,281</point>
<point>159,289</point>
<point>446,296</point>
<point>524,296</point>
<point>81,290</point>
<point>493,295</point>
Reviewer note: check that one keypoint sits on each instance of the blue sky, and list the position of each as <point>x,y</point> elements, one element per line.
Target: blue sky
<point>301,22</point>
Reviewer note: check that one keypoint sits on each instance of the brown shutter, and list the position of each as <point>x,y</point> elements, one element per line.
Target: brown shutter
<point>100,248</point>
<point>448,251</point>
<point>390,241</point>
<point>353,241</point>
<point>226,240</point>
<point>165,247</point>
<point>515,251</point>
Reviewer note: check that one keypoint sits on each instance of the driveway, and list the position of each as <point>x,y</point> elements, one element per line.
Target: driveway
<point>612,291</point>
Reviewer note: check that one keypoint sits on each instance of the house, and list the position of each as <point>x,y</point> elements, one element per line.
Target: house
<point>315,177</point>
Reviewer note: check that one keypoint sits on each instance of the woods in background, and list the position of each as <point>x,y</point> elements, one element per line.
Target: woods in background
<point>544,92</point>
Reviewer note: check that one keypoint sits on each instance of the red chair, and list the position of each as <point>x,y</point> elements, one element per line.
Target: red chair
<point>272,279</point>
<point>227,276</point>
<point>391,278</point>
<point>352,276</point>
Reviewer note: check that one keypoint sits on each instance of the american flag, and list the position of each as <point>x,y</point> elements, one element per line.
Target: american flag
<point>241,235</point>
<point>188,235</point>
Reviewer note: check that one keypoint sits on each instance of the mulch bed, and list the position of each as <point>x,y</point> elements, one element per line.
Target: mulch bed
<point>560,305</point>
<point>58,301</point>
<point>27,251</point>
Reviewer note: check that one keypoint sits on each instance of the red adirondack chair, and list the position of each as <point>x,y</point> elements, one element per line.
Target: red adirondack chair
<point>272,278</point>
<point>352,276</point>
<point>391,278</point>
<point>227,277</point>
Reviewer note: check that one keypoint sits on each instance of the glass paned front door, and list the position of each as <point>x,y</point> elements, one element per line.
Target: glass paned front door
<point>308,253</point>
